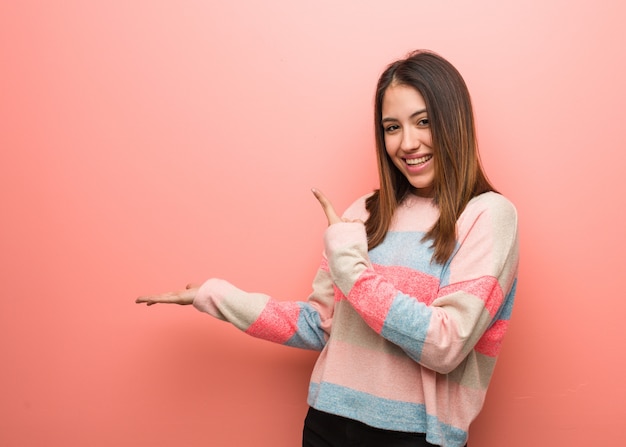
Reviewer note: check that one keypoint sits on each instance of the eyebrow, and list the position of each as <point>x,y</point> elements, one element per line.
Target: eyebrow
<point>413,115</point>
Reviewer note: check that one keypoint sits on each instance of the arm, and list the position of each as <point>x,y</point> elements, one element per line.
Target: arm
<point>298,324</point>
<point>440,324</point>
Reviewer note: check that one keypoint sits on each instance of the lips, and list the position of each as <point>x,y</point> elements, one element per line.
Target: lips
<point>418,161</point>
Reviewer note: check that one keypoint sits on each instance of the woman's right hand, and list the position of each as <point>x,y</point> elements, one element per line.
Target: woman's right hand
<point>181,297</point>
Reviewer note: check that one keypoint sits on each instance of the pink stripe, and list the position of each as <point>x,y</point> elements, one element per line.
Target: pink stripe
<point>486,288</point>
<point>372,296</point>
<point>369,371</point>
<point>491,341</point>
<point>374,291</point>
<point>419,285</point>
<point>277,323</point>
<point>324,265</point>
<point>452,403</point>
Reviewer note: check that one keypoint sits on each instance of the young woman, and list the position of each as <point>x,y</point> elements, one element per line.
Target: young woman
<point>412,299</point>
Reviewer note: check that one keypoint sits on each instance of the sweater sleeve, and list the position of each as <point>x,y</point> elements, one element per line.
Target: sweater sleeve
<point>303,324</point>
<point>445,320</point>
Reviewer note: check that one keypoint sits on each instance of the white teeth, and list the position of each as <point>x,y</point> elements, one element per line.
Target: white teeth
<point>418,161</point>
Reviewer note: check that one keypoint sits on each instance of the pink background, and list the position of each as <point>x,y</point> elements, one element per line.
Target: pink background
<point>147,144</point>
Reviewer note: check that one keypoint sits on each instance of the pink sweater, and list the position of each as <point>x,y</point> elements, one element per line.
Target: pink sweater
<point>406,344</point>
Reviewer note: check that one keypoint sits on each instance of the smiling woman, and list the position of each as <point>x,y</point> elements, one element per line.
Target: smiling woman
<point>408,139</point>
<point>423,108</point>
<point>412,300</point>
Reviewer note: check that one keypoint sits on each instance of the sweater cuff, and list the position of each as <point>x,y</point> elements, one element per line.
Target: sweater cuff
<point>346,249</point>
<point>343,234</point>
<point>210,294</point>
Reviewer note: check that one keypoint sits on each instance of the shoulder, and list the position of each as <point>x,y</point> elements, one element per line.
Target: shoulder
<point>492,209</point>
<point>493,203</point>
<point>357,209</point>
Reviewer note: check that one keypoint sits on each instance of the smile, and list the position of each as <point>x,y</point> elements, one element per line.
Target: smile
<point>418,161</point>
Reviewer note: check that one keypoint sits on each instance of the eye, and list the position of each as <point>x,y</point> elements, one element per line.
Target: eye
<point>424,122</point>
<point>391,128</point>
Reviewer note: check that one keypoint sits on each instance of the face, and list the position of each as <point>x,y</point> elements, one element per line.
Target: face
<point>407,136</point>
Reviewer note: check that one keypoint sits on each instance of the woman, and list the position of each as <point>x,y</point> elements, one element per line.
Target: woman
<point>413,296</point>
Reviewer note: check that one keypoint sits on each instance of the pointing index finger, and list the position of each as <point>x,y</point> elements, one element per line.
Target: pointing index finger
<point>327,206</point>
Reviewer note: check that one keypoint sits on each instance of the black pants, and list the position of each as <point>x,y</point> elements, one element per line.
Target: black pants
<point>328,430</point>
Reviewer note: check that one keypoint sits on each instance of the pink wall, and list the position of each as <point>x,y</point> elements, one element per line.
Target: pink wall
<point>147,144</point>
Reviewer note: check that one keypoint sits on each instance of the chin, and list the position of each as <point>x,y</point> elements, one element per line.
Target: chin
<point>425,189</point>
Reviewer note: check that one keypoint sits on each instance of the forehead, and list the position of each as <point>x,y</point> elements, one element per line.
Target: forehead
<point>400,100</point>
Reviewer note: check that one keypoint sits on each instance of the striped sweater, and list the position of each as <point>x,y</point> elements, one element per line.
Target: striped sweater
<point>406,344</point>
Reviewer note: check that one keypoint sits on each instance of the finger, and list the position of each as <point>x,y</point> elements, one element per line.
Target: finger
<point>327,206</point>
<point>166,298</point>
<point>142,300</point>
<point>154,299</point>
<point>182,297</point>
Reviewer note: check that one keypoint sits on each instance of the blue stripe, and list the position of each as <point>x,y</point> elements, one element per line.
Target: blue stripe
<point>383,413</point>
<point>407,324</point>
<point>406,249</point>
<point>507,308</point>
<point>309,334</point>
<point>505,311</point>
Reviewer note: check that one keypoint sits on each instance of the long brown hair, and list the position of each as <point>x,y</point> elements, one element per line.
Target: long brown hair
<point>458,173</point>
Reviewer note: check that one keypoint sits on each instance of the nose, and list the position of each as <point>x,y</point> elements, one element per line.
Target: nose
<point>410,140</point>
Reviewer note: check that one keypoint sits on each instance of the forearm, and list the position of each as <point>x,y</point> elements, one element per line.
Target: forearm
<point>298,324</point>
<point>436,327</point>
